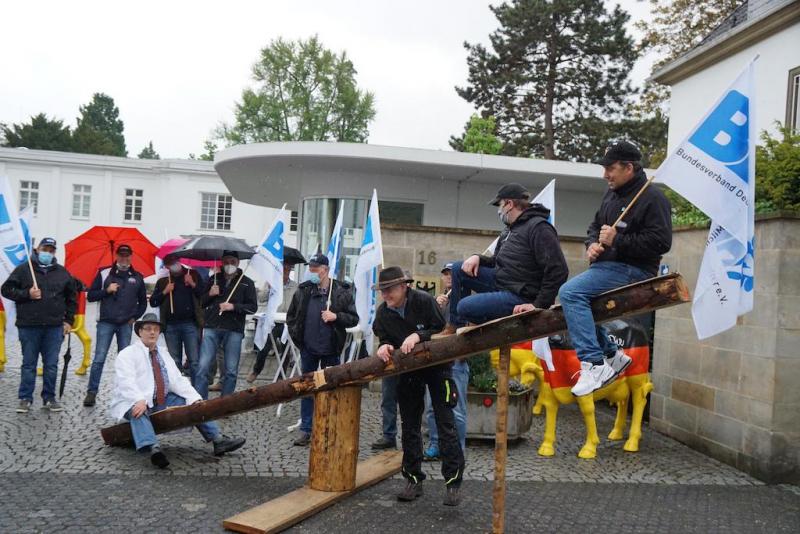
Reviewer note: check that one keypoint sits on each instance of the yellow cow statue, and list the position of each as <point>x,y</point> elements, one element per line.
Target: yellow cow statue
<point>525,367</point>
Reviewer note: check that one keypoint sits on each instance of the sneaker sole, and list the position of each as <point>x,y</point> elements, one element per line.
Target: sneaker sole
<point>20,410</point>
<point>617,374</point>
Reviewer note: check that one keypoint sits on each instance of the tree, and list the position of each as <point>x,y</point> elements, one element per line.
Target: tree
<point>148,152</point>
<point>553,64</point>
<point>479,137</point>
<point>303,92</point>
<point>41,133</point>
<point>778,170</point>
<point>99,129</point>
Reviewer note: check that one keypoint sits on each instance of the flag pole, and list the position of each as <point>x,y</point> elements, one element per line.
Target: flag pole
<point>30,263</point>
<point>171,306</point>
<point>632,202</point>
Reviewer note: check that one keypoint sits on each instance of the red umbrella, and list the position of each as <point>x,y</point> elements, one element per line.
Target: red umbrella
<point>95,248</point>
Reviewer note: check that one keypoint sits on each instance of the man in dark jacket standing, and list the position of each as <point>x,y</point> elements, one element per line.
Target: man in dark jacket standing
<point>317,330</point>
<point>178,298</point>
<point>123,299</point>
<point>230,297</point>
<point>45,313</point>
<point>524,273</point>
<point>618,256</point>
<point>407,317</point>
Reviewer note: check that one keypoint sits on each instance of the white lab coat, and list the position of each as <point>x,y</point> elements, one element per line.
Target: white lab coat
<point>134,379</point>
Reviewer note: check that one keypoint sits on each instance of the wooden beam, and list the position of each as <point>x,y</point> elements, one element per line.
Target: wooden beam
<point>287,510</point>
<point>501,443</point>
<point>634,299</point>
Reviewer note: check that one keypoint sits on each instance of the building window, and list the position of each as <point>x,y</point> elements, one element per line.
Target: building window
<point>401,212</point>
<point>29,195</point>
<point>215,211</point>
<point>81,200</point>
<point>793,100</point>
<point>133,205</point>
<point>293,222</point>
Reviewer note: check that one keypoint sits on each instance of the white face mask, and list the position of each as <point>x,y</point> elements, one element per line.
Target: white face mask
<point>229,269</point>
<point>175,268</point>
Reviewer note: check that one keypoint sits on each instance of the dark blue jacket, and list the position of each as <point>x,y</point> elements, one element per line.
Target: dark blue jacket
<point>130,300</point>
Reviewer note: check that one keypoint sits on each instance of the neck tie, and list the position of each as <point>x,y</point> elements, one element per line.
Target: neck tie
<point>161,393</point>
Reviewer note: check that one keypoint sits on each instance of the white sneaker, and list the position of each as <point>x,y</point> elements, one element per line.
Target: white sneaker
<point>619,362</point>
<point>592,377</point>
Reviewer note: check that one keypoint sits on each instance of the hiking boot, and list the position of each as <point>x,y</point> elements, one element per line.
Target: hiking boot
<point>251,378</point>
<point>592,378</point>
<point>302,440</point>
<point>225,444</point>
<point>24,406</point>
<point>431,453</point>
<point>216,386</point>
<point>452,496</point>
<point>410,492</point>
<point>158,458</point>
<point>449,330</point>
<point>619,362</point>
<point>90,399</point>
<point>53,406</point>
<point>384,443</point>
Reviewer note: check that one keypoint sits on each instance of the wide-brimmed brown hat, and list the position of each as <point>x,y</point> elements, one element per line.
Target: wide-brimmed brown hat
<point>391,276</point>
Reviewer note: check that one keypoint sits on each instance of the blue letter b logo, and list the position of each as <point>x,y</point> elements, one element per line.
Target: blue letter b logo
<point>725,133</point>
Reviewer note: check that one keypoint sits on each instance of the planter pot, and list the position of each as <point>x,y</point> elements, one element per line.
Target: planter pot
<point>482,414</point>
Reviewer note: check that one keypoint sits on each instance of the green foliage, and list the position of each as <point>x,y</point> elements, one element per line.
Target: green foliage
<point>40,133</point>
<point>149,152</point>
<point>778,170</point>
<point>553,65</point>
<point>99,130</point>
<point>479,137</point>
<point>482,376</point>
<point>210,150</point>
<point>303,92</point>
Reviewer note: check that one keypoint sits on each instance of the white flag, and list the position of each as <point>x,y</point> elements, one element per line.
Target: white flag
<point>370,258</point>
<point>335,245</point>
<point>10,306</point>
<point>715,170</point>
<point>268,263</point>
<point>15,247</point>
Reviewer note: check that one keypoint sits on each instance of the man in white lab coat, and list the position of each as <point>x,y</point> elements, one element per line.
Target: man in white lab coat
<point>148,381</point>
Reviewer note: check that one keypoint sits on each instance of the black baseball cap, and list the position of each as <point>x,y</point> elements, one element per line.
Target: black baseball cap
<point>620,151</point>
<point>318,259</point>
<point>230,254</point>
<point>48,242</point>
<point>447,267</point>
<point>124,250</point>
<point>511,192</point>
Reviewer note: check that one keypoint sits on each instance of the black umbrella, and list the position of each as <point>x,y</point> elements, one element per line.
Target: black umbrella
<point>67,358</point>
<point>292,256</point>
<point>211,247</point>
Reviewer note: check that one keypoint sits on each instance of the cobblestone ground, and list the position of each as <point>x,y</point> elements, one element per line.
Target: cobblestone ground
<point>56,474</point>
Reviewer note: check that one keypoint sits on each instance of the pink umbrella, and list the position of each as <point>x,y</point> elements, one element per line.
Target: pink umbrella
<point>171,245</point>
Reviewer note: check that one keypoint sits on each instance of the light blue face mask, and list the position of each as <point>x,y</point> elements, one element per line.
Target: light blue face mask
<point>314,278</point>
<point>45,258</point>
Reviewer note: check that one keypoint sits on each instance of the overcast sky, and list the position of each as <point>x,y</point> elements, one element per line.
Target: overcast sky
<point>176,68</point>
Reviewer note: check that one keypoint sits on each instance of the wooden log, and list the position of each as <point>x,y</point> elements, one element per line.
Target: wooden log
<point>634,299</point>
<point>501,443</point>
<point>334,439</point>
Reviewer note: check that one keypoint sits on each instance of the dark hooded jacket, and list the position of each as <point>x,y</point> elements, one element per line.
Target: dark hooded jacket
<point>59,295</point>
<point>528,260</point>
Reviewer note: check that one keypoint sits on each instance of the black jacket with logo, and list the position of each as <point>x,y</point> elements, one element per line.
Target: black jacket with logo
<point>528,260</point>
<point>128,302</point>
<point>342,304</point>
<point>644,235</point>
<point>59,296</point>
<point>421,316</point>
<point>243,300</point>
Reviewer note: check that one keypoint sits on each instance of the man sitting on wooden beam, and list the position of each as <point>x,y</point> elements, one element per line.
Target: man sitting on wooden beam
<point>524,273</point>
<point>406,317</point>
<point>620,254</point>
<point>148,381</point>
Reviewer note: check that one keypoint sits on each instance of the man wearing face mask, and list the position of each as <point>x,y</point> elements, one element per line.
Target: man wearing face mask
<point>123,299</point>
<point>317,330</point>
<point>45,313</point>
<point>230,297</point>
<point>177,296</point>
<point>524,273</point>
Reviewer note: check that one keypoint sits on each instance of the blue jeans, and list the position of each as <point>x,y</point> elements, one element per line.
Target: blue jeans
<point>460,374</point>
<point>232,346</point>
<point>589,340</point>
<point>309,363</point>
<point>142,428</point>
<point>106,331</point>
<point>184,337</point>
<point>35,340</point>
<point>389,407</point>
<point>489,303</point>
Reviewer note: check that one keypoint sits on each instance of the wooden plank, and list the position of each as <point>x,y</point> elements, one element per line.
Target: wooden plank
<point>283,512</point>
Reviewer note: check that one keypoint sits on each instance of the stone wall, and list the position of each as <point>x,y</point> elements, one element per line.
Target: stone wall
<point>736,396</point>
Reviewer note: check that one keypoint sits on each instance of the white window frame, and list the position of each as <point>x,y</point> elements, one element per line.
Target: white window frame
<point>212,211</point>
<point>793,100</point>
<point>29,195</point>
<point>81,201</point>
<point>134,198</point>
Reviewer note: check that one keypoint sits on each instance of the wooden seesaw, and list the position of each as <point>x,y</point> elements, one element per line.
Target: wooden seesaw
<point>334,471</point>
